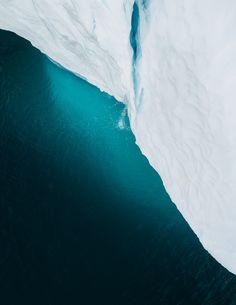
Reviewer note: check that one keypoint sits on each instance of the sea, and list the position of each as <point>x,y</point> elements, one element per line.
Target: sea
<point>84,218</point>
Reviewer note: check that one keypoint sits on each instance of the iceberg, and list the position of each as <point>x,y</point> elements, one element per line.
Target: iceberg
<point>89,38</point>
<point>173,63</point>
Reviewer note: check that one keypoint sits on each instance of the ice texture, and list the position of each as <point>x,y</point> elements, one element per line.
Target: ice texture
<point>185,118</point>
<point>174,64</point>
<point>87,37</point>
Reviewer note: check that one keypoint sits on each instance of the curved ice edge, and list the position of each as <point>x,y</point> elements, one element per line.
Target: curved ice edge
<point>214,254</point>
<point>226,259</point>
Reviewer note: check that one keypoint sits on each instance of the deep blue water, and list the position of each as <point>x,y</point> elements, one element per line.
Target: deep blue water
<point>84,219</point>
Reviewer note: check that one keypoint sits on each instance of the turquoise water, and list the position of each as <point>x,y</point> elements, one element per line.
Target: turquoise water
<point>84,219</point>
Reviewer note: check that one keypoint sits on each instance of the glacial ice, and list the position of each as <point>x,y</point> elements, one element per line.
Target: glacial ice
<point>83,36</point>
<point>176,71</point>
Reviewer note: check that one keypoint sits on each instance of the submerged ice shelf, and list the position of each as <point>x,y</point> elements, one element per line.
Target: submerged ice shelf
<point>173,64</point>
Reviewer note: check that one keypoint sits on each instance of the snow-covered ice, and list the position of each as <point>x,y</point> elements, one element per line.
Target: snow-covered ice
<point>179,90</point>
<point>89,38</point>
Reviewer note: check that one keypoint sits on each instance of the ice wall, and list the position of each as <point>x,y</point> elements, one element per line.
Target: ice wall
<point>90,38</point>
<point>185,118</point>
<point>175,68</point>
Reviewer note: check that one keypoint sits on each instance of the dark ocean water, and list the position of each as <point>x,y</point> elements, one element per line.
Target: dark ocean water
<point>84,219</point>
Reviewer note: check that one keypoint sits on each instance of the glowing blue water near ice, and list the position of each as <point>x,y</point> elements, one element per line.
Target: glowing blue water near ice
<point>83,217</point>
<point>177,78</point>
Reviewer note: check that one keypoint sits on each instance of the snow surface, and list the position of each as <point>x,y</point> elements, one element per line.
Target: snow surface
<point>179,90</point>
<point>84,36</point>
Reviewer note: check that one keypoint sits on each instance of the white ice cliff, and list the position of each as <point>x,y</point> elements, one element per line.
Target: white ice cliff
<point>178,78</point>
<point>88,37</point>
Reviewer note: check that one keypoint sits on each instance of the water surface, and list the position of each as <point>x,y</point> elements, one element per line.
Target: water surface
<point>84,219</point>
